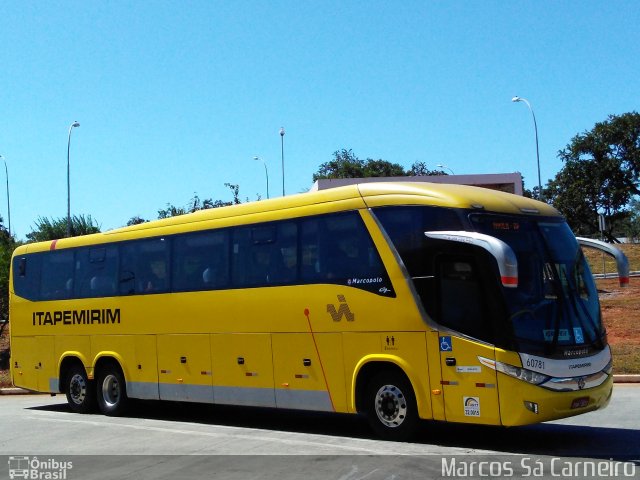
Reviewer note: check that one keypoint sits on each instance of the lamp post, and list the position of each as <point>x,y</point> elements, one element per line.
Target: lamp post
<point>444,166</point>
<point>266,173</point>
<point>6,171</point>
<point>535,126</point>
<point>74,124</point>
<point>282,155</point>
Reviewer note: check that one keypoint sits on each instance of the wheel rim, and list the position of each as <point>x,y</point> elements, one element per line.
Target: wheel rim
<point>78,389</point>
<point>391,406</point>
<point>110,390</point>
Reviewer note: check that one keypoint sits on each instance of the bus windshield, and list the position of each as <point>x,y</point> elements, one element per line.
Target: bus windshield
<point>555,304</point>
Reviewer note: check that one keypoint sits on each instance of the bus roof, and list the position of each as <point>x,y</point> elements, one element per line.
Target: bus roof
<point>350,197</point>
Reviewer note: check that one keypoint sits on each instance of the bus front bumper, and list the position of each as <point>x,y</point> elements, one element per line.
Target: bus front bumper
<point>522,403</point>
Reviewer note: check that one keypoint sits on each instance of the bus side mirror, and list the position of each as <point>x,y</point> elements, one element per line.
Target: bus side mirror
<point>503,254</point>
<point>622,263</point>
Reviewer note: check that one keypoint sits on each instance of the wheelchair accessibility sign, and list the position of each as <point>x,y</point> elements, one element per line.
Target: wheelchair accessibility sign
<point>445,344</point>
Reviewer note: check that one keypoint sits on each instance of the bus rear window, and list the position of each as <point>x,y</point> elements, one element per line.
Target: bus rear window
<point>26,276</point>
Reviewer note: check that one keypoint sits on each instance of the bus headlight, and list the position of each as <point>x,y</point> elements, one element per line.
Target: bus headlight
<point>523,374</point>
<point>528,376</point>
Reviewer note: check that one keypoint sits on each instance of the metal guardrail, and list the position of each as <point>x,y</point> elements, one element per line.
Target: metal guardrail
<point>615,275</point>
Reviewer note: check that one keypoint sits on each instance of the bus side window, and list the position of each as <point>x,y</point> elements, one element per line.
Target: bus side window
<point>56,281</point>
<point>127,278</point>
<point>310,267</point>
<point>144,267</point>
<point>283,255</point>
<point>240,265</point>
<point>336,248</point>
<point>201,261</point>
<point>96,270</point>
<point>265,255</point>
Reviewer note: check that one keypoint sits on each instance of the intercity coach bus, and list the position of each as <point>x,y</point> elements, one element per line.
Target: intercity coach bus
<point>401,301</point>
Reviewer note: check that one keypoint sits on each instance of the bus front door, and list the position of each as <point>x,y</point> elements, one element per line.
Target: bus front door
<point>469,387</point>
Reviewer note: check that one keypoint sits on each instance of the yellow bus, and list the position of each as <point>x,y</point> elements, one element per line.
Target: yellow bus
<point>400,301</point>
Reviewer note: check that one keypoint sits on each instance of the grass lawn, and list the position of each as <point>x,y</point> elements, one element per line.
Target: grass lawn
<point>621,316</point>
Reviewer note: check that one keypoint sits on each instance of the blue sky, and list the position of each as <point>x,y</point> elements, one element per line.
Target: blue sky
<point>176,98</point>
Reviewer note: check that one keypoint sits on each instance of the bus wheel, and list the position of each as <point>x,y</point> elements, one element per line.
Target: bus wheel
<point>80,392</point>
<point>111,390</point>
<point>391,406</point>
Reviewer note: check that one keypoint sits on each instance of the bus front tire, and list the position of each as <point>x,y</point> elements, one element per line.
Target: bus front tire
<point>111,391</point>
<point>391,406</point>
<point>81,395</point>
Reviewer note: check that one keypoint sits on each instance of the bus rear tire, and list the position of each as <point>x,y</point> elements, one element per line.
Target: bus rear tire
<point>111,390</point>
<point>80,392</point>
<point>391,406</point>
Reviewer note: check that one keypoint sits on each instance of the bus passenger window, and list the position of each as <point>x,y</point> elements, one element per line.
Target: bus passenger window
<point>96,271</point>
<point>143,267</point>
<point>337,249</point>
<point>343,257</point>
<point>57,275</point>
<point>287,253</point>
<point>310,256</point>
<point>265,255</point>
<point>201,261</point>
<point>155,278</point>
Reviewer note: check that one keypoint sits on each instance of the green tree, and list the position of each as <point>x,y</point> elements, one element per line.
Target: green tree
<point>235,191</point>
<point>420,169</point>
<point>137,220</point>
<point>345,164</point>
<point>631,226</point>
<point>382,168</point>
<point>617,140</point>
<point>171,211</point>
<point>7,246</point>
<point>55,228</point>
<point>600,175</point>
<point>196,204</point>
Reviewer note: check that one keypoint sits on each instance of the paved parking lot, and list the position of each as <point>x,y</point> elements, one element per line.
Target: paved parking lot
<point>260,443</point>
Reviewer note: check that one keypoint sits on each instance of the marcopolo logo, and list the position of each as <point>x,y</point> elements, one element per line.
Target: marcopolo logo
<point>38,469</point>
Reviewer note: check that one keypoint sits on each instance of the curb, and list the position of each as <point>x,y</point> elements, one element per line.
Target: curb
<point>626,379</point>
<point>14,391</point>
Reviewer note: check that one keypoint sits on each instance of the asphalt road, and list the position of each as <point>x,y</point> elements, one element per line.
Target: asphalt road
<point>176,440</point>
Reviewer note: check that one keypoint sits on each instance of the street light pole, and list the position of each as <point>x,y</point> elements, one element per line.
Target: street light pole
<point>282,153</point>
<point>73,125</point>
<point>6,171</point>
<point>444,166</point>
<point>535,126</point>
<point>266,173</point>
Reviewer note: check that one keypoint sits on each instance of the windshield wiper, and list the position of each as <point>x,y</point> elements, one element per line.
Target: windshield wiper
<point>574,300</point>
<point>556,282</point>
